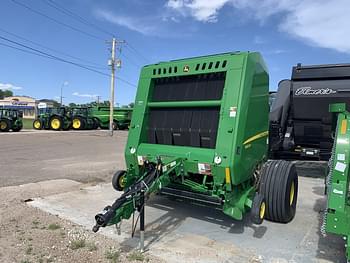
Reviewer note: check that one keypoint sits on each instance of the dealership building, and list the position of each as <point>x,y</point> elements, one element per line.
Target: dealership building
<point>27,105</point>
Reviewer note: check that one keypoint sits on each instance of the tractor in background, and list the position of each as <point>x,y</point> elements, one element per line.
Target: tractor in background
<point>10,119</point>
<point>82,118</point>
<point>52,119</point>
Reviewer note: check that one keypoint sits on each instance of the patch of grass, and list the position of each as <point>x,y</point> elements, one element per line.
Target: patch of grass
<point>78,243</point>
<point>29,250</point>
<point>62,234</point>
<point>136,256</point>
<point>35,222</point>
<point>91,246</point>
<point>112,255</point>
<point>54,226</point>
<point>28,124</point>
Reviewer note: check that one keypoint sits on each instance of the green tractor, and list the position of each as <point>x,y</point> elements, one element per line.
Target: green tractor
<point>52,119</point>
<point>121,117</point>
<point>82,119</point>
<point>10,119</point>
<point>199,131</point>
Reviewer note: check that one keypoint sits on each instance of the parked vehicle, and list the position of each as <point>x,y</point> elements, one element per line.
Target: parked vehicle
<point>10,119</point>
<point>53,118</point>
<point>121,117</point>
<point>300,122</point>
<point>199,131</point>
<point>82,119</point>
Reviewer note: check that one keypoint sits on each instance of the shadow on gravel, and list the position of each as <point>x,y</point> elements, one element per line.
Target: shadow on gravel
<point>178,210</point>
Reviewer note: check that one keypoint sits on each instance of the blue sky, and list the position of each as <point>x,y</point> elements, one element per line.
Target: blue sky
<point>285,32</point>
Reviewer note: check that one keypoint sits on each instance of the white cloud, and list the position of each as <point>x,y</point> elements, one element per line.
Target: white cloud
<point>132,23</point>
<point>93,96</point>
<point>201,10</point>
<point>318,22</point>
<point>8,86</point>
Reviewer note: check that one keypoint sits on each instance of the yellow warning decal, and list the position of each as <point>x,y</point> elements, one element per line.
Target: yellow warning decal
<point>343,126</point>
<point>228,176</point>
<point>257,136</point>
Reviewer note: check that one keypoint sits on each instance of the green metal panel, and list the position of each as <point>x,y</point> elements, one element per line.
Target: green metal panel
<point>241,141</point>
<point>337,219</point>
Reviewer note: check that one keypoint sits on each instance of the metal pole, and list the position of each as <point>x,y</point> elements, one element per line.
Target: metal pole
<point>111,106</point>
<point>61,94</point>
<point>142,222</point>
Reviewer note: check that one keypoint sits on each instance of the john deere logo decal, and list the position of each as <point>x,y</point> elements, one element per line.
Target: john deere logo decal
<point>186,68</point>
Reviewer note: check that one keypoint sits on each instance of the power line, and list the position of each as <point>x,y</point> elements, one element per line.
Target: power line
<point>47,55</point>
<point>55,50</point>
<point>20,49</point>
<point>66,11</point>
<point>56,21</point>
<point>75,16</point>
<point>137,52</point>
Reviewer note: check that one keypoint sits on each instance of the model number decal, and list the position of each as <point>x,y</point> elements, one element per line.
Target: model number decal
<point>310,91</point>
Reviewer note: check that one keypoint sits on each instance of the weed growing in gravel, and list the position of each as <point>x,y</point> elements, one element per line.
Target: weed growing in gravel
<point>77,239</point>
<point>112,255</point>
<point>76,244</point>
<point>29,250</point>
<point>136,256</point>
<point>91,246</point>
<point>54,226</point>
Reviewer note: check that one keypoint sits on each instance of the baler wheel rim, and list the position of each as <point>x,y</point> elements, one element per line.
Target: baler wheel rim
<point>258,209</point>
<point>292,193</point>
<point>262,210</point>
<point>118,180</point>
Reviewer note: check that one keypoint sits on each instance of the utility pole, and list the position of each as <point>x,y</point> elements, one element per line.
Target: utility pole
<point>61,97</point>
<point>98,100</point>
<point>113,63</point>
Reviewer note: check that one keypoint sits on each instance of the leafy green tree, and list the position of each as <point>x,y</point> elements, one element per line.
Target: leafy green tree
<point>5,93</point>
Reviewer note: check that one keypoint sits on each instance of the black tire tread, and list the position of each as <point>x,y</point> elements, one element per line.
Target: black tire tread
<point>275,182</point>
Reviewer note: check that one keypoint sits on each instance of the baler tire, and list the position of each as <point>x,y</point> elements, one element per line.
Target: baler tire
<point>279,186</point>
<point>258,209</point>
<point>37,124</point>
<point>117,180</point>
<point>5,125</point>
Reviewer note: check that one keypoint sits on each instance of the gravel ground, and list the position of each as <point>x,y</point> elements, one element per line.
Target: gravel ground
<point>29,235</point>
<point>86,156</point>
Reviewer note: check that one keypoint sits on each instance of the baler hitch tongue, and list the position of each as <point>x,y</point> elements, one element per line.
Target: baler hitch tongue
<point>131,199</point>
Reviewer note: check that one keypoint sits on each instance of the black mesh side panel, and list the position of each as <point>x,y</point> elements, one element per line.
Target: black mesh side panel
<point>189,88</point>
<point>195,127</point>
